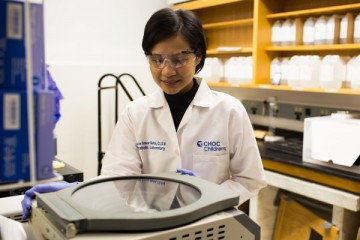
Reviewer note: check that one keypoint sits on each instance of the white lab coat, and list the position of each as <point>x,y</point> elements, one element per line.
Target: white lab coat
<point>215,140</point>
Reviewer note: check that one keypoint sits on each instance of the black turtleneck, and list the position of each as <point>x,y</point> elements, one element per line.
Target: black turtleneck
<point>179,102</point>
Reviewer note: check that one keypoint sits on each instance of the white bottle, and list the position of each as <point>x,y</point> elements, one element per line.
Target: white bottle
<point>275,71</point>
<point>205,71</point>
<point>330,30</point>
<point>293,72</point>
<point>292,32</point>
<point>276,33</point>
<point>357,29</point>
<point>332,72</point>
<point>286,32</point>
<point>309,31</point>
<point>216,70</point>
<point>284,71</point>
<point>240,69</point>
<point>344,28</point>
<point>355,80</point>
<point>231,74</point>
<point>248,70</point>
<point>309,71</point>
<point>320,30</point>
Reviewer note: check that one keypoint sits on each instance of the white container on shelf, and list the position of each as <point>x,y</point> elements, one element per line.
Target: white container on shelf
<point>288,33</point>
<point>357,29</point>
<point>248,70</point>
<point>230,70</point>
<point>284,71</point>
<point>309,31</point>
<point>354,78</point>
<point>309,71</point>
<point>275,71</point>
<point>212,71</point>
<point>320,30</point>
<point>276,33</point>
<point>332,72</point>
<point>294,72</point>
<point>344,28</point>
<point>330,30</point>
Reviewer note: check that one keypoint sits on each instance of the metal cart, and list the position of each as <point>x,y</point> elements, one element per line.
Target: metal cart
<point>118,83</point>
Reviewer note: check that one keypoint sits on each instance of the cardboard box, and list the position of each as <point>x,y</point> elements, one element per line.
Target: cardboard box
<point>14,145</point>
<point>332,141</point>
<point>13,63</point>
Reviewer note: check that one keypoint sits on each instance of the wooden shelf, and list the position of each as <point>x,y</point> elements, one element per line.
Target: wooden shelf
<point>234,23</point>
<point>336,47</point>
<point>315,11</point>
<point>284,88</point>
<point>199,4</point>
<point>245,50</point>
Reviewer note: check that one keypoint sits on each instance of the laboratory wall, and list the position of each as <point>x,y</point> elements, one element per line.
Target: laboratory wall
<point>85,39</point>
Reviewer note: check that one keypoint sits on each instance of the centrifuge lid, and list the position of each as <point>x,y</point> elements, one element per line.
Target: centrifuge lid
<point>136,203</point>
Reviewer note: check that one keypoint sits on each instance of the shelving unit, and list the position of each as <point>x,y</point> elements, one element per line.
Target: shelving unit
<point>223,30</point>
<point>284,88</point>
<point>247,24</point>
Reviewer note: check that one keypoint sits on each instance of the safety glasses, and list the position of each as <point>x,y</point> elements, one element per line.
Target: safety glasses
<point>176,60</point>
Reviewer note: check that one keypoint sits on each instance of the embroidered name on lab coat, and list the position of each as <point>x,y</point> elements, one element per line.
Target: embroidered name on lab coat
<point>151,145</point>
<point>211,146</point>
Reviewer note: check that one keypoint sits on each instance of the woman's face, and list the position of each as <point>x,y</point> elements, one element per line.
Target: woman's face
<point>174,77</point>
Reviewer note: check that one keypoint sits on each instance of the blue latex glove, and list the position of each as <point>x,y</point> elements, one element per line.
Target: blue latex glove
<point>57,95</point>
<point>185,172</point>
<point>41,188</point>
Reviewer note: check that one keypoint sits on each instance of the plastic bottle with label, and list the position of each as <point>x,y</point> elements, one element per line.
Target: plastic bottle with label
<point>276,33</point>
<point>357,29</point>
<point>320,30</point>
<point>332,72</point>
<point>309,31</point>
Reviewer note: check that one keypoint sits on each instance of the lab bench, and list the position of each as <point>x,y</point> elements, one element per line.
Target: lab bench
<point>339,189</point>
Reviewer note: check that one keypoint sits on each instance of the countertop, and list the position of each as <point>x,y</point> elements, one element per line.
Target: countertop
<point>294,166</point>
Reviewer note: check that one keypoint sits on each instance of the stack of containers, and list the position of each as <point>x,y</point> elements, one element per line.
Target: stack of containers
<point>212,70</point>
<point>238,70</point>
<point>22,62</point>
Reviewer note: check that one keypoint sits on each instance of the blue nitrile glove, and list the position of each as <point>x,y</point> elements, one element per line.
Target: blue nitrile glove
<point>185,172</point>
<point>57,95</point>
<point>41,188</point>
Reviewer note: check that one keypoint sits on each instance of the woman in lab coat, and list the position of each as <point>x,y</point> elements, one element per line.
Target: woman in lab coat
<point>184,125</point>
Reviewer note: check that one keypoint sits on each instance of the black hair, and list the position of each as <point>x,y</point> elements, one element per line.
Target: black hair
<point>167,23</point>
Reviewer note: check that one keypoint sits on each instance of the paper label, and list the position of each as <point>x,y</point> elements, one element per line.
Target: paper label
<point>12,108</point>
<point>14,27</point>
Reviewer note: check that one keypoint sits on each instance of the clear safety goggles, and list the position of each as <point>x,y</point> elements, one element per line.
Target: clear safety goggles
<point>176,60</point>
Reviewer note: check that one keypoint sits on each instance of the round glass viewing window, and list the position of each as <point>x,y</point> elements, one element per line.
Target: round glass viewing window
<point>138,195</point>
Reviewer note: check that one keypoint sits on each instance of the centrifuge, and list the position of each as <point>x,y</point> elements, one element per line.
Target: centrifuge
<point>167,206</point>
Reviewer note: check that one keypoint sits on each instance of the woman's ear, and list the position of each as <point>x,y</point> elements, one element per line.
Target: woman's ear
<point>198,59</point>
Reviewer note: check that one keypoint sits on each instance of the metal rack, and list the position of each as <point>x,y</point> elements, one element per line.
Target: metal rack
<point>117,84</point>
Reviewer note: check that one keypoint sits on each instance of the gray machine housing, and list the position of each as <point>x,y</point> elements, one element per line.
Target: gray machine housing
<point>72,217</point>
